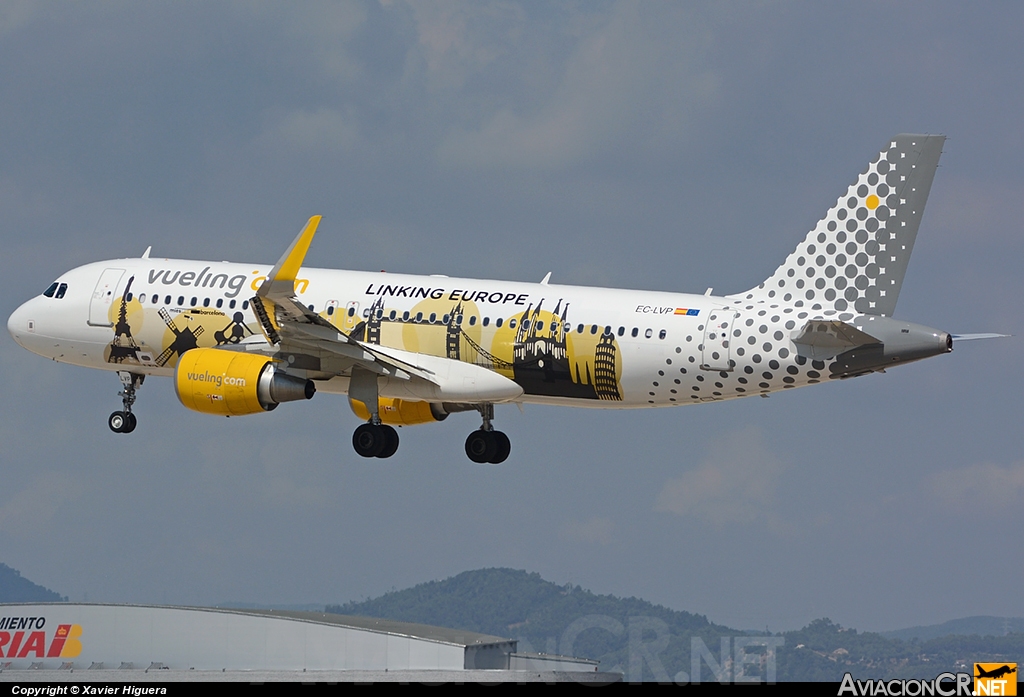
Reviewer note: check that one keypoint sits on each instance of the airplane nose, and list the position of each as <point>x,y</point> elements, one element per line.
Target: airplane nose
<point>17,324</point>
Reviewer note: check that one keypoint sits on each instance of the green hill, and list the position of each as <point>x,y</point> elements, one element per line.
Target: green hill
<point>549,618</point>
<point>651,642</point>
<point>14,588</point>
<point>982,625</point>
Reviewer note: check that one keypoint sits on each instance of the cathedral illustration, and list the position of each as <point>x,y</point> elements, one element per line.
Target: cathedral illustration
<point>541,363</point>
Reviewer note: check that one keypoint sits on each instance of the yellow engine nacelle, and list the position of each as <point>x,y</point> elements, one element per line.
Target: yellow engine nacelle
<point>232,383</point>
<point>398,412</point>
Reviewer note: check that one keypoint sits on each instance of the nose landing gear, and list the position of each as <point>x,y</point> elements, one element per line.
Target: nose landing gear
<point>487,446</point>
<point>124,421</point>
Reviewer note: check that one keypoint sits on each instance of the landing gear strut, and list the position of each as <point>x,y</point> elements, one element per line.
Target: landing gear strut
<point>124,421</point>
<point>487,445</point>
<point>372,439</point>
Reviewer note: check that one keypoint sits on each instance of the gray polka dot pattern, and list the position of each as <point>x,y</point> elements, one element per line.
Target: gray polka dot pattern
<point>855,258</point>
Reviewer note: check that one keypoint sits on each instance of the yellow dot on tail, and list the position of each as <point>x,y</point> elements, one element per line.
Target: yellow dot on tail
<point>871,202</point>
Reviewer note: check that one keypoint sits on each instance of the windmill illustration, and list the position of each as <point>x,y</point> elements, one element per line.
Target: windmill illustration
<point>184,339</point>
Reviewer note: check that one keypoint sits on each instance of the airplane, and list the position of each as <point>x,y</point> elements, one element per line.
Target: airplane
<point>240,339</point>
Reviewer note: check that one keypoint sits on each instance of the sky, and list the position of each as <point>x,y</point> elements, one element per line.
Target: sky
<point>666,146</point>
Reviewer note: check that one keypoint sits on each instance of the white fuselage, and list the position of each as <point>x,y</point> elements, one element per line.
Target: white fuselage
<point>594,347</point>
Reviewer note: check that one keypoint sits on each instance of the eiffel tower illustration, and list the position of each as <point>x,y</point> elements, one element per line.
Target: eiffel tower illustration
<point>123,347</point>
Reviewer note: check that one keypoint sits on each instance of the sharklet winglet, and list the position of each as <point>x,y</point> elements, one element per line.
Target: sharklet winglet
<point>281,279</point>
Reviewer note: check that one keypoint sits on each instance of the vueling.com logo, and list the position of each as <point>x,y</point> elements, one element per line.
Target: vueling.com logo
<point>25,637</point>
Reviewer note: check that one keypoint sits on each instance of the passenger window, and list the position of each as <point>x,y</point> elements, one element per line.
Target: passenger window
<point>220,302</point>
<point>351,311</point>
<point>245,304</point>
<point>662,334</point>
<point>472,320</point>
<point>392,315</point>
<point>593,329</point>
<point>142,298</point>
<point>51,290</point>
<point>206,302</point>
<point>330,310</point>
<point>512,323</point>
<point>232,304</point>
<point>127,296</point>
<point>419,316</point>
<point>648,333</point>
<point>635,332</point>
<point>540,326</point>
<point>181,299</point>
<point>487,320</point>
<point>607,331</point>
<point>62,290</point>
<point>405,316</point>
<point>194,302</point>
<point>458,320</point>
<point>497,322</point>
<point>579,328</point>
<point>167,300</point>
<point>444,320</point>
<point>526,324</point>
<point>622,330</point>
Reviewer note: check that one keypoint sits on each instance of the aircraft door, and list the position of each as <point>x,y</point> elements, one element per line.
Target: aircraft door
<point>717,335</point>
<point>103,296</point>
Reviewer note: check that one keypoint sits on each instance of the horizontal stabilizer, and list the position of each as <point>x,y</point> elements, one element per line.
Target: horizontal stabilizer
<point>821,339</point>
<point>972,337</point>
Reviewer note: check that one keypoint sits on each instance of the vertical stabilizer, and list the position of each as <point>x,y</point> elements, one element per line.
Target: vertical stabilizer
<point>855,258</point>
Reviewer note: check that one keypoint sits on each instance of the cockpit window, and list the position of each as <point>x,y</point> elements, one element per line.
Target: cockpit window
<point>51,290</point>
<point>61,290</point>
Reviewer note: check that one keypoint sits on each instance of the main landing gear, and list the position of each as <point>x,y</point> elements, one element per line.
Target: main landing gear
<point>375,440</point>
<point>487,445</point>
<point>124,421</point>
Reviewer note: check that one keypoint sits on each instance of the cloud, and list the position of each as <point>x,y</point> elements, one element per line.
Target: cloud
<point>457,40</point>
<point>620,87</point>
<point>322,129</point>
<point>15,14</point>
<point>735,484</point>
<point>985,487</point>
<point>594,530</point>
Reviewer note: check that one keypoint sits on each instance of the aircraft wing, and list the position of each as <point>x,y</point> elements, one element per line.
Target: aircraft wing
<point>294,328</point>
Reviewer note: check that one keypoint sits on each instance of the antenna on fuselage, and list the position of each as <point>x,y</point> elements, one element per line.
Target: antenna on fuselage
<point>145,254</point>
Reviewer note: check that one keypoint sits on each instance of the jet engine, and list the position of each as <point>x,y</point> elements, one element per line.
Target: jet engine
<point>232,383</point>
<point>401,412</point>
